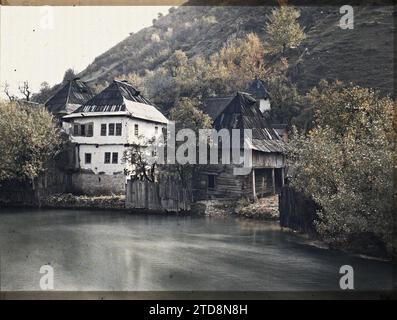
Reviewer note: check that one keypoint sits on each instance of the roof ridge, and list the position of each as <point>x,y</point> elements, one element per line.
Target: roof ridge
<point>67,97</point>
<point>52,96</point>
<point>125,82</point>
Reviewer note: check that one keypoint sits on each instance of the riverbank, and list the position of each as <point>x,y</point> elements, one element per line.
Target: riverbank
<point>264,209</point>
<point>70,201</point>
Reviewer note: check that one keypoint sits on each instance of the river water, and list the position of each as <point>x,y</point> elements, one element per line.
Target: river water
<point>117,251</point>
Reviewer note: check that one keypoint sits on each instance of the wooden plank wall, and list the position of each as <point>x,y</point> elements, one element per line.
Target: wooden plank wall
<point>297,211</point>
<point>227,186</point>
<point>267,160</point>
<point>166,195</point>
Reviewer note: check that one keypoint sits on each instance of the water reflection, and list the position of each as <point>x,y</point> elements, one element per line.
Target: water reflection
<point>97,250</point>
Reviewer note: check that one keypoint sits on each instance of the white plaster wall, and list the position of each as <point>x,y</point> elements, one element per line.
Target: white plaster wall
<point>97,145</point>
<point>145,129</point>
<point>264,105</point>
<point>98,164</point>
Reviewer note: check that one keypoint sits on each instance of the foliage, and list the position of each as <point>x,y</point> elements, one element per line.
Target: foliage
<point>70,74</point>
<point>286,102</point>
<point>187,115</point>
<point>345,162</point>
<point>28,140</point>
<point>141,165</point>
<point>224,72</point>
<point>44,94</point>
<point>283,29</point>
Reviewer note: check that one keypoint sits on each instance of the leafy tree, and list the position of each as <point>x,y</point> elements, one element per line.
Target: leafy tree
<point>224,72</point>
<point>28,140</point>
<point>345,163</point>
<point>141,164</point>
<point>177,63</point>
<point>286,100</point>
<point>283,29</point>
<point>235,64</point>
<point>44,93</point>
<point>187,115</point>
<point>70,74</point>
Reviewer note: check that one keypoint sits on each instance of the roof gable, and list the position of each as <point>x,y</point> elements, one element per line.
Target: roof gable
<point>67,99</point>
<point>257,89</point>
<point>105,100</point>
<point>122,97</point>
<point>242,112</point>
<point>215,105</point>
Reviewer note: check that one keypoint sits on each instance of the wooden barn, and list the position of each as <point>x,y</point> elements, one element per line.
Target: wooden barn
<point>241,111</point>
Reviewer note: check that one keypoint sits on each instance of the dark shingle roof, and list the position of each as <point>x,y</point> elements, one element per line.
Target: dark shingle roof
<point>113,96</point>
<point>71,96</point>
<point>257,89</point>
<point>214,106</point>
<point>121,97</point>
<point>242,112</point>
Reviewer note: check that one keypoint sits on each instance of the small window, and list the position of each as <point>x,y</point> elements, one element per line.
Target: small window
<point>136,130</point>
<point>115,157</point>
<point>103,129</point>
<point>90,130</point>
<point>87,157</point>
<point>156,130</point>
<point>118,129</point>
<point>107,157</point>
<point>211,181</point>
<point>82,130</point>
<point>111,129</point>
<point>76,129</point>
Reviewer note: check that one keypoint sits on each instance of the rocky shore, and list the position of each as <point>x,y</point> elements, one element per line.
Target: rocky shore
<point>263,209</point>
<point>70,201</point>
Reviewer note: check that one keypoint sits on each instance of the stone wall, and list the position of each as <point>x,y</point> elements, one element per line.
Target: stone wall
<point>98,184</point>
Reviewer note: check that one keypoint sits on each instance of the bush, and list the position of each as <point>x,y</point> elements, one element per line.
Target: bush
<point>345,163</point>
<point>28,140</point>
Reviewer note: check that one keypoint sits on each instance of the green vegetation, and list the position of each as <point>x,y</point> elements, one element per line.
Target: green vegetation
<point>364,54</point>
<point>28,140</point>
<point>283,29</point>
<point>187,115</point>
<point>343,152</point>
<point>222,73</point>
<point>345,163</point>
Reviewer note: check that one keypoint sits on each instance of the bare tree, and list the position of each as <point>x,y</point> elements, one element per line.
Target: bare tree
<point>6,90</point>
<point>24,89</point>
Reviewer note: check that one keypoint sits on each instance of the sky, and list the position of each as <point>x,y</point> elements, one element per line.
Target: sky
<point>39,43</point>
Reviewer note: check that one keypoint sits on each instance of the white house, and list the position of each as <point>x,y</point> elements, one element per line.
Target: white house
<point>104,128</point>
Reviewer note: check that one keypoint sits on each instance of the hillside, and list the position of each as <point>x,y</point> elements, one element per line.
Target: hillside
<point>363,55</point>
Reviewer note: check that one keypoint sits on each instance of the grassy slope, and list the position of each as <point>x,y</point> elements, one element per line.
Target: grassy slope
<point>363,55</point>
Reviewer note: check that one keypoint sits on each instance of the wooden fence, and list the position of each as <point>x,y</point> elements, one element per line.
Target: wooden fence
<point>15,193</point>
<point>297,211</point>
<point>166,195</point>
